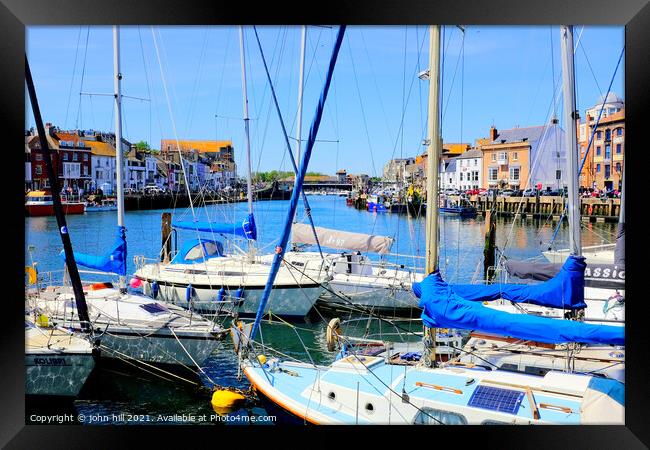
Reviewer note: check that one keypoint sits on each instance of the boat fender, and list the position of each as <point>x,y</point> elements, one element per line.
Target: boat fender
<point>224,400</point>
<point>43,321</point>
<point>154,289</point>
<point>238,298</point>
<point>190,292</point>
<point>333,332</point>
<point>221,294</point>
<point>31,274</point>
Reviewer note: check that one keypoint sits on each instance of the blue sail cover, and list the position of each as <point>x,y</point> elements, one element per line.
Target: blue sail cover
<point>114,261</point>
<point>245,229</point>
<point>444,308</point>
<point>565,290</point>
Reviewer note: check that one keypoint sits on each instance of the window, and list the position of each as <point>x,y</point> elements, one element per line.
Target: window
<point>618,148</point>
<point>514,173</point>
<point>618,167</point>
<point>619,132</point>
<point>598,151</point>
<point>494,157</point>
<point>503,156</point>
<point>514,156</point>
<point>492,172</point>
<point>607,170</point>
<point>74,157</point>
<point>597,168</point>
<point>431,416</point>
<point>38,170</point>
<point>599,134</point>
<point>65,156</point>
<point>608,151</point>
<point>461,176</point>
<point>558,174</point>
<point>475,175</point>
<point>98,174</point>
<point>85,156</point>
<point>608,134</point>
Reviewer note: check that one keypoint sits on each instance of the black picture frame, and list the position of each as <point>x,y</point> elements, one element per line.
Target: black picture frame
<point>15,15</point>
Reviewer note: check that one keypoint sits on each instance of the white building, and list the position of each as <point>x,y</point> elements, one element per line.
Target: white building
<point>469,170</point>
<point>448,177</point>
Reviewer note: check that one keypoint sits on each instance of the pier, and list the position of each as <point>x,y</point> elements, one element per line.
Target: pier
<point>591,209</point>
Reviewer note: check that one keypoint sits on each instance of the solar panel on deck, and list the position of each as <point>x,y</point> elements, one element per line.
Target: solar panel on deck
<point>153,308</point>
<point>496,399</point>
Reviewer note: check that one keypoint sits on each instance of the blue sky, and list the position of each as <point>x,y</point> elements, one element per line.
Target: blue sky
<point>376,108</point>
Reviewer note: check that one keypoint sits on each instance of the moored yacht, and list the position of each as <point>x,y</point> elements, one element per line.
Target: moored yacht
<point>57,361</point>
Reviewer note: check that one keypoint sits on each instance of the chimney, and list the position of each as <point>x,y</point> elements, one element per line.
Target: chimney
<point>493,133</point>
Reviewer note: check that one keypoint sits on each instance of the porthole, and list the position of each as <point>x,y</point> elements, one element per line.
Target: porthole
<point>370,408</point>
<point>331,396</point>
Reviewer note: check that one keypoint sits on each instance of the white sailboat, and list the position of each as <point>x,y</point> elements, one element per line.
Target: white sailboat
<point>536,357</point>
<point>357,282</point>
<point>132,327</point>
<point>202,277</point>
<point>387,389</point>
<point>57,362</point>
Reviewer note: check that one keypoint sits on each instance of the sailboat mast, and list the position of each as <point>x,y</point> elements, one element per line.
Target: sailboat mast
<point>119,154</point>
<point>303,41</point>
<point>119,157</point>
<point>75,279</point>
<point>433,151</point>
<point>249,182</point>
<point>570,117</point>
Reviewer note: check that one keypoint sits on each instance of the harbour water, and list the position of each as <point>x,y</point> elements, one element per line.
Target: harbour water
<point>119,396</point>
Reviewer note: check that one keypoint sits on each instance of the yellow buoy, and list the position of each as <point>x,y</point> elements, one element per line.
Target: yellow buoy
<point>262,359</point>
<point>224,401</point>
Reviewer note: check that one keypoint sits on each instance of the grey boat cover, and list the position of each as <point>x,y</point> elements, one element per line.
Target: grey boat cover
<point>619,250</point>
<point>344,240</point>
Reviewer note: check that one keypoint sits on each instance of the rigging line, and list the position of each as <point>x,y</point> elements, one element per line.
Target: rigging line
<point>74,68</point>
<point>408,97</point>
<point>542,141</point>
<point>378,91</point>
<point>363,112</point>
<point>171,115</point>
<point>451,87</point>
<point>600,91</point>
<point>220,86</point>
<point>286,138</point>
<point>193,102</point>
<point>593,133</point>
<point>83,72</point>
<point>260,145</point>
<point>146,76</point>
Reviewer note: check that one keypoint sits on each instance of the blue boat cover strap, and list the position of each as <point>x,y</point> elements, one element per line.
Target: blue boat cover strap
<point>113,262</point>
<point>442,307</point>
<point>245,229</point>
<point>565,290</point>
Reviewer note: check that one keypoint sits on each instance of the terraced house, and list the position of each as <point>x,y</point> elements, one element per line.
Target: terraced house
<point>520,158</point>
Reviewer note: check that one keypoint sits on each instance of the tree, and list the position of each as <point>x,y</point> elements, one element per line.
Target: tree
<point>142,146</point>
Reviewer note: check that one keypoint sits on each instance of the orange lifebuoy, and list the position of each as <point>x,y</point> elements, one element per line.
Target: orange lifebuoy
<point>590,210</point>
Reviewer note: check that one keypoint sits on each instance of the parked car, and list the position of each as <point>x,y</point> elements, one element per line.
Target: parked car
<point>153,190</point>
<point>451,191</point>
<point>506,193</point>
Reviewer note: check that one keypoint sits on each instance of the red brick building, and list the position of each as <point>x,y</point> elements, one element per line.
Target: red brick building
<point>70,159</point>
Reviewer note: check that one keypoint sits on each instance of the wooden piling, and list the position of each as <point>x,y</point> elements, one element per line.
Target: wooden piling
<point>488,251</point>
<point>166,230</point>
